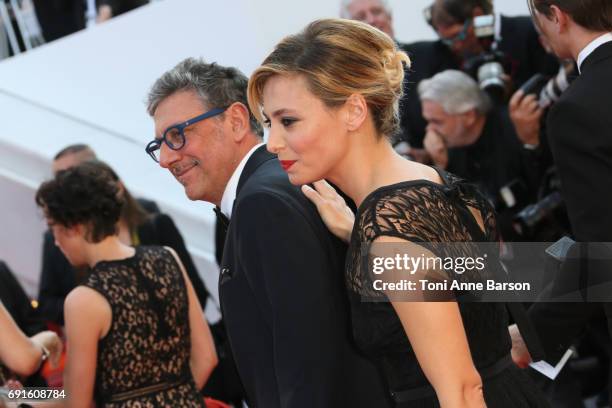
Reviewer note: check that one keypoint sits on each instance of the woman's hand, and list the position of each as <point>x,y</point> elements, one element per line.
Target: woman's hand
<point>334,212</point>
<point>520,353</point>
<point>50,342</point>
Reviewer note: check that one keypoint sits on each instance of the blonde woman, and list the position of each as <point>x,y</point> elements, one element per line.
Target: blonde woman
<point>330,98</point>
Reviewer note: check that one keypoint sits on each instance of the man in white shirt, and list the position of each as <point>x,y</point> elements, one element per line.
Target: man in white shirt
<point>580,135</point>
<point>282,284</point>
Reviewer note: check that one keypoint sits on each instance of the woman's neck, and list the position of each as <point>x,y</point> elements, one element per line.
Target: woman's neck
<point>109,249</point>
<point>369,164</point>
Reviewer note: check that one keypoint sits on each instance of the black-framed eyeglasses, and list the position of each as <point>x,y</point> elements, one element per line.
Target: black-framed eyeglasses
<point>449,42</point>
<point>174,136</point>
<point>460,36</point>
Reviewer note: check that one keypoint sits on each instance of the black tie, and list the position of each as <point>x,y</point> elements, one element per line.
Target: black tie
<point>221,227</point>
<point>221,218</point>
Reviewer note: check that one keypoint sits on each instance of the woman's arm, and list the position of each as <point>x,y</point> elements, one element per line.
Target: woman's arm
<point>19,353</point>
<point>88,318</point>
<point>203,354</point>
<point>437,336</point>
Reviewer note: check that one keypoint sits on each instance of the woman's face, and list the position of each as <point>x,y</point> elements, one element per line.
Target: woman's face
<point>69,241</point>
<point>309,138</point>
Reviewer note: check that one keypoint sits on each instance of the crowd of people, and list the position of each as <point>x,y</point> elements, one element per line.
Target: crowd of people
<point>497,132</point>
<point>35,22</point>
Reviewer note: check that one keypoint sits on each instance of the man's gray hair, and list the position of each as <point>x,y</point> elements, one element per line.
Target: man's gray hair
<point>344,5</point>
<point>455,91</point>
<point>217,86</point>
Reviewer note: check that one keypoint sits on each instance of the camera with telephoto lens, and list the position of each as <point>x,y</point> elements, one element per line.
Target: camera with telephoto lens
<point>489,67</point>
<point>546,219</point>
<point>548,89</point>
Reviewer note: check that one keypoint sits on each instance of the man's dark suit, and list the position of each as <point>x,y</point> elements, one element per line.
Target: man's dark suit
<point>520,43</point>
<point>580,136</point>
<point>284,302</point>
<point>17,303</point>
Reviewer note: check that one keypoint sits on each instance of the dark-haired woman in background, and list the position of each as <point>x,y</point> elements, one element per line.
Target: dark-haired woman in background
<point>138,225</point>
<point>135,329</point>
<point>330,98</point>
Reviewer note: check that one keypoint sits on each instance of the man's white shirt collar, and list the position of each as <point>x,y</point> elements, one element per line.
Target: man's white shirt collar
<point>229,195</point>
<point>593,45</point>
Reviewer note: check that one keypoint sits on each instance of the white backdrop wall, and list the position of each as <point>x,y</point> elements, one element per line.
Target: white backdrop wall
<point>90,87</point>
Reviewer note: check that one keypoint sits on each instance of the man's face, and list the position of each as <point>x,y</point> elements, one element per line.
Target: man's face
<point>70,160</point>
<point>372,12</point>
<point>206,161</point>
<point>550,35</point>
<point>463,40</point>
<point>452,128</point>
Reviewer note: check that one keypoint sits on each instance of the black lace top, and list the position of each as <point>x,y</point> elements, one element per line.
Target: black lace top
<point>426,213</point>
<point>144,359</point>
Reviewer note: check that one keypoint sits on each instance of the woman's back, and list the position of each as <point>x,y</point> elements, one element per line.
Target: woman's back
<point>145,355</point>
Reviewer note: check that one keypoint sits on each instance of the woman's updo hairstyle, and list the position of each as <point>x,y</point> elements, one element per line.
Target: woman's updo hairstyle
<point>339,58</point>
<point>87,194</point>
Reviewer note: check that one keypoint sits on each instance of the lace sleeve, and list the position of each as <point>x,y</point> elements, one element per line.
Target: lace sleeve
<point>427,228</point>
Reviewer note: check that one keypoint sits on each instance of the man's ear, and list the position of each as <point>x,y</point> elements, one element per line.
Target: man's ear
<point>560,18</point>
<point>237,116</point>
<point>356,111</point>
<point>470,117</point>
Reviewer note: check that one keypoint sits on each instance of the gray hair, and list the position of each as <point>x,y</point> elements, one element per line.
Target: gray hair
<point>455,91</point>
<point>217,86</point>
<point>344,5</point>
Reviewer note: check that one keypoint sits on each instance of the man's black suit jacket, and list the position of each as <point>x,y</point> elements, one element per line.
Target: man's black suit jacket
<point>519,41</point>
<point>283,300</point>
<point>17,303</point>
<point>580,136</point>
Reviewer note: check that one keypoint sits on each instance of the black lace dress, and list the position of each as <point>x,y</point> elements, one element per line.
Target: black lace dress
<point>143,361</point>
<point>424,212</point>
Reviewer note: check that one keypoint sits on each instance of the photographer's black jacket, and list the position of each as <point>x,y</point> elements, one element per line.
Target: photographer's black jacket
<point>495,160</point>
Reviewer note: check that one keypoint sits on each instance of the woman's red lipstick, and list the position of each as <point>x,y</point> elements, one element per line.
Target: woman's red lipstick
<point>286,164</point>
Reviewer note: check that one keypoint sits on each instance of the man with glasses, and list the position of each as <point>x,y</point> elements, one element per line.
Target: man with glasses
<point>453,22</point>
<point>281,283</point>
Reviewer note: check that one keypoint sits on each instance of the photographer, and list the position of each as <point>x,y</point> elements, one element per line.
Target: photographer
<point>545,219</point>
<point>482,145</point>
<point>453,20</point>
<point>579,128</point>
